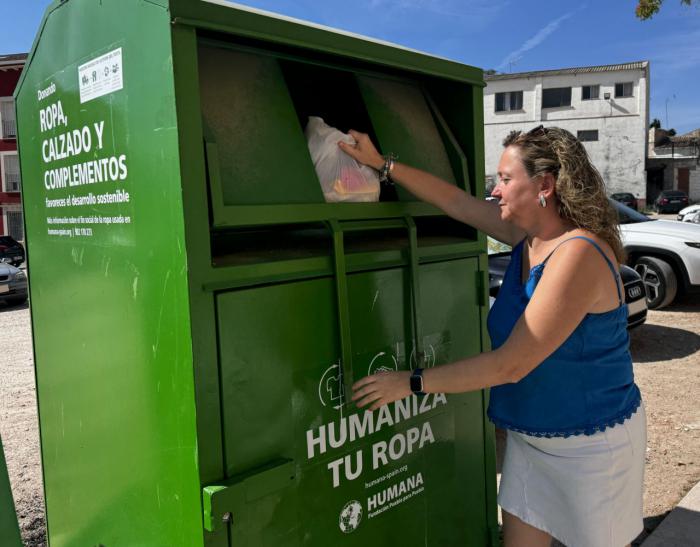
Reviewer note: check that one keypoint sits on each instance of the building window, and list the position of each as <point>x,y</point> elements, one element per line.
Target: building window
<point>509,100</point>
<point>14,226</point>
<point>589,92</point>
<point>556,97</point>
<point>624,89</point>
<point>11,180</point>
<point>8,127</point>
<point>587,135</point>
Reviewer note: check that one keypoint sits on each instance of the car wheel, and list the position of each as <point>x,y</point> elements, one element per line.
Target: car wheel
<point>659,281</point>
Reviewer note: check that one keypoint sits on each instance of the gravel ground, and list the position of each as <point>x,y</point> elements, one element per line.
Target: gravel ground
<point>666,353</point>
<point>18,422</point>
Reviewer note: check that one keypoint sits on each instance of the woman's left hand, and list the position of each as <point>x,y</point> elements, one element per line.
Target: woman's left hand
<point>382,388</point>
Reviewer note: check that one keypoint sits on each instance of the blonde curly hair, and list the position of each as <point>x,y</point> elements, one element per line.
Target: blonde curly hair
<point>579,189</point>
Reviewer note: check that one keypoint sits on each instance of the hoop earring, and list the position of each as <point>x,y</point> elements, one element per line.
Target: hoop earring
<point>543,201</point>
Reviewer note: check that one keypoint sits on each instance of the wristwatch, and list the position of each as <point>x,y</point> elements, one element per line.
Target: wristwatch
<point>417,382</point>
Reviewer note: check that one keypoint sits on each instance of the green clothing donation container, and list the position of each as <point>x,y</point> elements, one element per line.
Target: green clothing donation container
<point>200,313</point>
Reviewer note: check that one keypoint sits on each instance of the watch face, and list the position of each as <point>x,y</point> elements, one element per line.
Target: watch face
<point>417,382</point>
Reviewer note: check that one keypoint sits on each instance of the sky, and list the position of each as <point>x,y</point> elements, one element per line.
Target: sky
<point>505,35</point>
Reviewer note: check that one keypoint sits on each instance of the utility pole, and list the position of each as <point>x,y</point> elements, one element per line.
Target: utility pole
<point>668,99</point>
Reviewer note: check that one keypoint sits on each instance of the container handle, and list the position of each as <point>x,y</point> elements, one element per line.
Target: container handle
<point>338,229</point>
<point>341,286</point>
<point>226,503</point>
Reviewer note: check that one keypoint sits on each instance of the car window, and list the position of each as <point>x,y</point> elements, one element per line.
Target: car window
<point>627,215</point>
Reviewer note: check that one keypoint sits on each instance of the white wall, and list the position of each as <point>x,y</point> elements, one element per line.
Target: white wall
<point>619,154</point>
<point>694,187</point>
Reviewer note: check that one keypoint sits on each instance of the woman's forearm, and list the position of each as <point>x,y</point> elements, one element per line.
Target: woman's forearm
<point>481,214</point>
<point>430,189</point>
<point>471,374</point>
<point>454,201</point>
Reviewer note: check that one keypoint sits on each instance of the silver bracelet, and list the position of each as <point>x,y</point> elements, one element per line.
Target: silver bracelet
<point>387,168</point>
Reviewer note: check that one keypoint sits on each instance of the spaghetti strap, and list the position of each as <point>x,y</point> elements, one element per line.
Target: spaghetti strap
<point>616,274</point>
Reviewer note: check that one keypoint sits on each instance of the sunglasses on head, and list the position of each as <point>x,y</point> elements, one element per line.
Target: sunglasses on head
<point>537,131</point>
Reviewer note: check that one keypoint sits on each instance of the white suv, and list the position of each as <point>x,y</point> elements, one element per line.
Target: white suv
<point>689,213</point>
<point>665,253</point>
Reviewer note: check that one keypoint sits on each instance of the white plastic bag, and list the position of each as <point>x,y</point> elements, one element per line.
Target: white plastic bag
<point>341,177</point>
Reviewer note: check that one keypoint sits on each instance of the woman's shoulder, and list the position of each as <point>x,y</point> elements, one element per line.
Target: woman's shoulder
<point>579,248</point>
<point>584,265</point>
<point>583,239</point>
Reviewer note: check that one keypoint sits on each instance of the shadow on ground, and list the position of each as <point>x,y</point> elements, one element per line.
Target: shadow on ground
<point>650,343</point>
<point>650,524</point>
<point>4,306</point>
<point>684,303</point>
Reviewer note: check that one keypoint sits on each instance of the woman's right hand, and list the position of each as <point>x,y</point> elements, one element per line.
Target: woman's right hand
<point>363,151</point>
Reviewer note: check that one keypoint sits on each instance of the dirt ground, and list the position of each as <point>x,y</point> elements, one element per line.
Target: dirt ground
<point>18,422</point>
<point>666,353</point>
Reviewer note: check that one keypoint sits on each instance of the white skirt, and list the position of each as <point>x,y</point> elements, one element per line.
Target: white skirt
<point>584,490</point>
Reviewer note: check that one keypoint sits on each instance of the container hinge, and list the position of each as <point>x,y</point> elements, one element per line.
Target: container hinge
<point>226,502</point>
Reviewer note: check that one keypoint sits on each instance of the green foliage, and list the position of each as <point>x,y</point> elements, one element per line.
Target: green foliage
<point>646,9</point>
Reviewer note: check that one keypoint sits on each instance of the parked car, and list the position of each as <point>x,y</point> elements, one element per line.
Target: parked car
<point>13,284</point>
<point>666,253</point>
<point>11,250</point>
<point>626,198</point>
<point>688,213</point>
<point>670,201</point>
<point>488,196</point>
<point>635,294</point>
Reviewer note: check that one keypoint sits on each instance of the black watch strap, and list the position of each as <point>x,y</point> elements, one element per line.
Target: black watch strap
<point>417,382</point>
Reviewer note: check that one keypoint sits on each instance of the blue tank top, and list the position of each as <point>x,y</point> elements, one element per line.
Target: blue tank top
<point>585,386</point>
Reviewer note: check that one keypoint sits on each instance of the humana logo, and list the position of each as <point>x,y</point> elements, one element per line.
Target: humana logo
<point>395,494</point>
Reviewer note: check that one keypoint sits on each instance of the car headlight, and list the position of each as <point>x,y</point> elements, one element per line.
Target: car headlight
<point>694,244</point>
<point>20,275</point>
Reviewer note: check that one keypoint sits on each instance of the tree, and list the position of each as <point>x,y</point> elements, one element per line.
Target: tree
<point>646,9</point>
<point>655,123</point>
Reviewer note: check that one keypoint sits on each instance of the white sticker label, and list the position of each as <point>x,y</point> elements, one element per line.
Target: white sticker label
<point>101,76</point>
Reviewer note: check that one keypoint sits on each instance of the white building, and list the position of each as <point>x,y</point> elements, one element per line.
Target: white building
<point>607,107</point>
<point>674,163</point>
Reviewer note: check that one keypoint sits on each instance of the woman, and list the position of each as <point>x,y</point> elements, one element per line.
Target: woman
<point>560,369</point>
